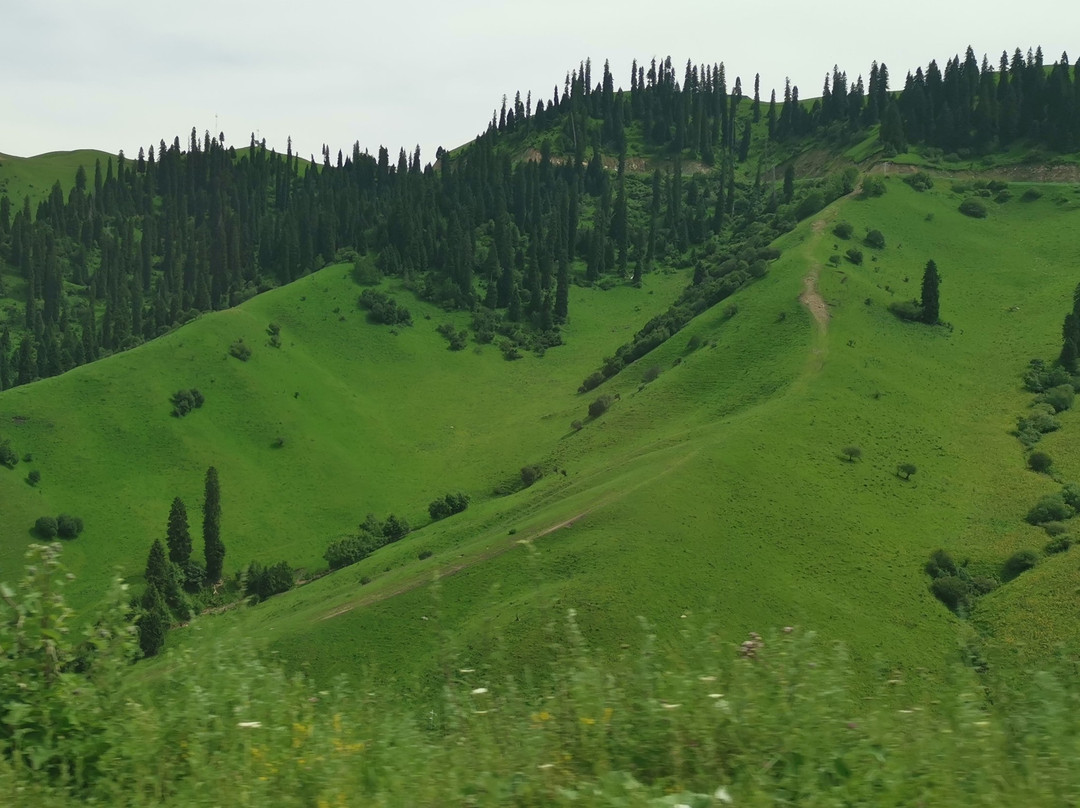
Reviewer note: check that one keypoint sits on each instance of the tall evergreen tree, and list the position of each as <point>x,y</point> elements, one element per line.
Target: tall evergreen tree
<point>214,549</point>
<point>153,623</point>
<point>178,536</point>
<point>930,302</point>
<point>157,572</point>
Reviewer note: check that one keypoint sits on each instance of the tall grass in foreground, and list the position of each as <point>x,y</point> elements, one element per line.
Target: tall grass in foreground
<point>770,722</point>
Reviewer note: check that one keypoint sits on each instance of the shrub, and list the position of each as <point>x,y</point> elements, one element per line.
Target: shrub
<point>810,204</point>
<point>184,401</point>
<point>8,456</point>
<point>192,575</point>
<point>1031,194</point>
<point>576,425</point>
<point>530,474</point>
<point>974,208</point>
<point>383,309</point>
<point>1070,495</point>
<point>600,406</point>
<point>875,239</point>
<point>423,554</point>
<point>395,528</point>
<point>920,181</point>
<point>1040,462</point>
<point>1060,397</point>
<point>854,256</point>
<point>347,550</point>
<point>1058,544</point>
<point>652,374</point>
<point>843,230</point>
<point>1019,562</point>
<point>951,591</point>
<point>457,340</point>
<point>940,565</point>
<point>873,186</point>
<point>592,381</point>
<point>264,582</point>
<point>1055,528</point>
<point>1051,508</point>
<point>852,453</point>
<point>448,505</point>
<point>907,310</point>
<point>46,527</point>
<point>34,477</point>
<point>983,585</point>
<point>907,469</point>
<point>834,260</point>
<point>241,350</point>
<point>68,527</point>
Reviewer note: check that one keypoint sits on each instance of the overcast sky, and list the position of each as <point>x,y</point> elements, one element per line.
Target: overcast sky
<point>114,74</point>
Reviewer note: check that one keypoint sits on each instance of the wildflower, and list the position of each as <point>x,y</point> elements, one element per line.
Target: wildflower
<point>588,721</point>
<point>479,691</point>
<point>608,712</point>
<point>716,695</point>
<point>546,766</point>
<point>250,724</point>
<point>467,670</point>
<point>788,629</point>
<point>668,706</point>
<point>706,678</point>
<point>721,795</point>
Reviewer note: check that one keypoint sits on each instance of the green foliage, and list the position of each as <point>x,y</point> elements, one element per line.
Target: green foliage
<point>448,505</point>
<point>809,205</point>
<point>873,185</point>
<point>351,549</point>
<point>1050,508</point>
<point>264,582</point>
<point>68,526</point>
<point>1031,428</point>
<point>365,272</point>
<point>600,405</point>
<point>854,255</point>
<point>457,340</point>
<point>213,547</point>
<point>920,181</point>
<point>177,533</point>
<point>241,350</point>
<point>941,565</point>
<point>184,401</point>
<point>46,528</point>
<point>953,591</point>
<point>1060,397</point>
<point>974,208</point>
<point>907,469</point>
<point>1041,377</point>
<point>1040,462</point>
<point>852,453</point>
<point>651,374</point>
<point>153,622</point>
<point>843,230</point>
<point>930,294</point>
<point>60,680</point>
<point>907,310</point>
<point>875,239</point>
<point>530,474</point>
<point>395,528</point>
<point>8,457</point>
<point>1019,562</point>
<point>1058,544</point>
<point>34,477</point>
<point>383,309</point>
<point>1030,195</point>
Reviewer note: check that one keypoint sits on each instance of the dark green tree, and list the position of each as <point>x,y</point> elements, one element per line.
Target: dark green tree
<point>930,303</point>
<point>178,535</point>
<point>153,623</point>
<point>213,548</point>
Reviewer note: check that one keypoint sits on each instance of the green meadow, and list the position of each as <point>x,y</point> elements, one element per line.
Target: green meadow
<point>716,490</point>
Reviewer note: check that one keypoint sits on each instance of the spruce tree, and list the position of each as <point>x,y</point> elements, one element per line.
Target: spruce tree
<point>157,568</point>
<point>153,623</point>
<point>178,536</point>
<point>213,548</point>
<point>930,304</point>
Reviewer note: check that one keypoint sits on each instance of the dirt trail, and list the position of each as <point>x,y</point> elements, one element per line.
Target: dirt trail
<point>810,296</point>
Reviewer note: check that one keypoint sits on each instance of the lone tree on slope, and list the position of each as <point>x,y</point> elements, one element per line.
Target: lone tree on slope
<point>178,535</point>
<point>213,547</point>
<point>930,303</point>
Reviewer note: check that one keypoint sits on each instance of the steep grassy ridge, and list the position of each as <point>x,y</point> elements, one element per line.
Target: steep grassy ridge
<point>35,176</point>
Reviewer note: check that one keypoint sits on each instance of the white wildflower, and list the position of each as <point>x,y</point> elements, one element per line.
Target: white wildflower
<point>479,691</point>
<point>250,724</point>
<point>722,795</point>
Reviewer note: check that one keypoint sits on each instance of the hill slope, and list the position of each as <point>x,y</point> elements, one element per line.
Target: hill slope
<point>716,488</point>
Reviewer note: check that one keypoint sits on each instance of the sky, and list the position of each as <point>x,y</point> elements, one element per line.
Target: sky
<point>116,75</point>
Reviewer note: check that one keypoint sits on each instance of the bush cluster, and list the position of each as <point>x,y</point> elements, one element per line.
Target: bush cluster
<point>371,535</point>
<point>8,456</point>
<point>875,239</point>
<point>600,406</point>
<point>65,526</point>
<point>241,350</point>
<point>383,309</point>
<point>184,401</point>
<point>264,582</point>
<point>843,230</point>
<point>457,339</point>
<point>953,585</point>
<point>448,505</point>
<point>974,208</point>
<point>920,181</point>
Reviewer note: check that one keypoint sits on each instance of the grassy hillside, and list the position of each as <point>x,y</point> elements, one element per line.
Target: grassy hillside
<point>718,488</point>
<point>35,176</point>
